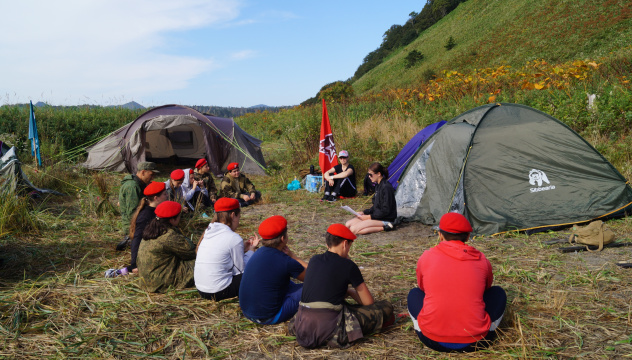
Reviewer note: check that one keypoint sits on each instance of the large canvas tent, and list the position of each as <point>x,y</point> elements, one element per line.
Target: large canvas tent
<point>510,167</point>
<point>176,131</point>
<point>398,165</point>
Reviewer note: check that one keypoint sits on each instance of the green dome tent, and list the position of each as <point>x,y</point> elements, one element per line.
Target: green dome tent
<point>510,167</point>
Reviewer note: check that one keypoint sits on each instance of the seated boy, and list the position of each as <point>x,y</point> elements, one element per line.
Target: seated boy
<point>455,308</point>
<point>237,186</point>
<point>266,294</point>
<point>324,317</point>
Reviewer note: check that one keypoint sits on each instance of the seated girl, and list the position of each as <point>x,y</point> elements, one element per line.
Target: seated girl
<point>381,215</point>
<point>340,180</point>
<point>165,257</point>
<point>222,254</point>
<point>155,193</point>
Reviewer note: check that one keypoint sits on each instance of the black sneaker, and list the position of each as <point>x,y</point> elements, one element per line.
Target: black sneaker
<point>389,227</point>
<point>123,244</point>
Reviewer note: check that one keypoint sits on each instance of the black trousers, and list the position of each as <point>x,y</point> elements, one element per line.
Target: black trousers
<point>231,291</point>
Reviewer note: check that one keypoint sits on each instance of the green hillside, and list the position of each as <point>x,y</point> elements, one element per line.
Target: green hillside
<point>547,54</point>
<point>490,33</point>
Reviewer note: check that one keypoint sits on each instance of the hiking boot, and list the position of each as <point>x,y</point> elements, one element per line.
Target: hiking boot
<point>123,244</point>
<point>389,227</point>
<point>325,197</point>
<point>332,198</point>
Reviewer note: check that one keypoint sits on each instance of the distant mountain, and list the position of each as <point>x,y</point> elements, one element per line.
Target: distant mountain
<point>132,105</point>
<point>40,104</point>
<point>260,106</point>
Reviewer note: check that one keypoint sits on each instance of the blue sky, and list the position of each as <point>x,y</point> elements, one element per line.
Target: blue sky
<point>190,52</point>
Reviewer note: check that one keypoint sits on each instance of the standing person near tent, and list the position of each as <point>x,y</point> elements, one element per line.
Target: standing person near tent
<point>381,215</point>
<point>155,193</point>
<point>340,180</point>
<point>267,296</point>
<point>324,317</point>
<point>130,193</point>
<point>455,307</point>
<point>203,172</point>
<point>222,254</point>
<point>165,256</point>
<point>237,186</point>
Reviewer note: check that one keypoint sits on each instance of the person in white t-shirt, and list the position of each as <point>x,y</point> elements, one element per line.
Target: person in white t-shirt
<point>222,254</point>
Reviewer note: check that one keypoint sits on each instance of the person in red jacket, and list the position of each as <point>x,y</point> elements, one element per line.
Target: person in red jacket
<point>455,307</point>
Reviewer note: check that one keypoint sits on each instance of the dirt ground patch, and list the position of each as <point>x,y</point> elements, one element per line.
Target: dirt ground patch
<point>560,305</point>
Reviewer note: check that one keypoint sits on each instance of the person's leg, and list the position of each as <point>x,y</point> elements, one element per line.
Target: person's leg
<point>346,189</point>
<point>495,300</point>
<point>290,304</point>
<point>335,191</point>
<point>367,227</point>
<point>415,302</point>
<point>374,317</point>
<point>327,192</point>
<point>352,222</point>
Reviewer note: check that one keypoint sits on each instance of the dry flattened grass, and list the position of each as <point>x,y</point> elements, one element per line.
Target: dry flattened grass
<point>560,305</point>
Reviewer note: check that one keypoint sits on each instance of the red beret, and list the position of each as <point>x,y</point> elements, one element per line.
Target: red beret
<point>190,171</point>
<point>272,227</point>
<point>226,204</point>
<point>168,209</point>
<point>341,231</point>
<point>232,166</point>
<point>154,188</point>
<point>455,223</point>
<point>200,163</point>
<point>177,175</point>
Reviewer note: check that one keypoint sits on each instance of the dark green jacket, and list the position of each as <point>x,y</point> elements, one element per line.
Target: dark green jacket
<point>231,187</point>
<point>130,193</point>
<point>166,261</point>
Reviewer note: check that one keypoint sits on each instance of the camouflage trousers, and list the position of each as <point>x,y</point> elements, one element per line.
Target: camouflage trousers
<point>353,322</point>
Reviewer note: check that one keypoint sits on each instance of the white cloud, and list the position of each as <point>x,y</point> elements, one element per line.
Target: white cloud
<point>243,55</point>
<point>101,48</point>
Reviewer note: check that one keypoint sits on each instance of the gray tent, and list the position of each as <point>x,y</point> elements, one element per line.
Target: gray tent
<point>12,178</point>
<point>176,131</point>
<point>510,167</point>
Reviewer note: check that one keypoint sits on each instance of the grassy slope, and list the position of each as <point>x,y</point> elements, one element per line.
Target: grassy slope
<point>496,32</point>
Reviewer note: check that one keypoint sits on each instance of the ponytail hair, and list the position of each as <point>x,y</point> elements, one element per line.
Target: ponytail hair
<point>155,228</point>
<point>376,167</point>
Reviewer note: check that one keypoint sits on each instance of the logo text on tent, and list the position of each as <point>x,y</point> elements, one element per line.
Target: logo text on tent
<point>538,177</point>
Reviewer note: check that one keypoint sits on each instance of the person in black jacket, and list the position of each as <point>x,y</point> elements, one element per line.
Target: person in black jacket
<point>381,215</point>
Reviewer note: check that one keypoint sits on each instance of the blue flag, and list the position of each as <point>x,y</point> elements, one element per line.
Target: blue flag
<point>34,137</point>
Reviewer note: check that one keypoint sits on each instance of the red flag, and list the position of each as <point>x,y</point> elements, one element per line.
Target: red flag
<point>327,149</point>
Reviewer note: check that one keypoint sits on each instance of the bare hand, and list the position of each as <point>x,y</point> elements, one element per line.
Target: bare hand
<point>252,242</point>
<point>331,182</point>
<point>288,252</point>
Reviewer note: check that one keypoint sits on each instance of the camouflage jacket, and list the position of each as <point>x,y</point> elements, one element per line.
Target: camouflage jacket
<point>209,183</point>
<point>231,187</point>
<point>166,261</point>
<point>130,193</point>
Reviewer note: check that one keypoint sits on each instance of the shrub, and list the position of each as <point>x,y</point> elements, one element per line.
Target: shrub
<point>450,44</point>
<point>413,58</point>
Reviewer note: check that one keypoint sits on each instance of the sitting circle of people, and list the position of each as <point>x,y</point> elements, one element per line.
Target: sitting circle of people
<point>454,307</point>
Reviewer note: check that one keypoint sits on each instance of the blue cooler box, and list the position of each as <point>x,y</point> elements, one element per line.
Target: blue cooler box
<point>313,182</point>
